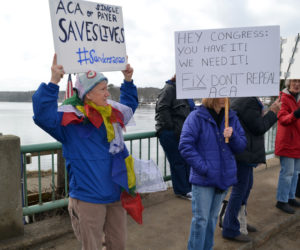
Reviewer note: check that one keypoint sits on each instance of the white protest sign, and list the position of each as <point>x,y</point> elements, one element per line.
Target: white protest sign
<point>88,36</point>
<point>233,62</point>
<point>290,57</point>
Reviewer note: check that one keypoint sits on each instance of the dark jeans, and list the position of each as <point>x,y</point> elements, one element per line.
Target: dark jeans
<point>298,187</point>
<point>239,196</point>
<point>180,171</point>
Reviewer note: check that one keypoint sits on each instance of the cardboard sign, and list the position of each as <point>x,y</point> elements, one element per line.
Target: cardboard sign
<point>232,62</point>
<point>290,57</point>
<point>88,36</point>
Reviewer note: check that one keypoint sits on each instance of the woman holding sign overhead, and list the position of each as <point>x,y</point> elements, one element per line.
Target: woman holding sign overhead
<point>213,167</point>
<point>89,126</point>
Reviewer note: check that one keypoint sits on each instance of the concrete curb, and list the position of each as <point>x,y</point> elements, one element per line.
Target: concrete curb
<point>262,237</point>
<point>39,232</point>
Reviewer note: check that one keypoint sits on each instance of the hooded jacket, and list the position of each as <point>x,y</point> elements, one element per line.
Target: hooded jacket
<point>85,147</point>
<point>170,113</point>
<point>288,128</point>
<point>203,147</point>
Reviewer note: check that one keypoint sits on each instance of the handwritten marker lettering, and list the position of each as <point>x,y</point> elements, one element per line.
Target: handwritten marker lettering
<point>231,62</point>
<point>88,35</point>
<point>84,52</point>
<point>90,56</point>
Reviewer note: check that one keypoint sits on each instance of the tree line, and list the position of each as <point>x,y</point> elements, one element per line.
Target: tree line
<point>146,95</point>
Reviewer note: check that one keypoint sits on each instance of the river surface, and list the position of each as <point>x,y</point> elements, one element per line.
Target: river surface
<point>16,119</point>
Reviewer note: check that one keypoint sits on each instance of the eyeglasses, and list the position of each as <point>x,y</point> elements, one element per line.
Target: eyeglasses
<point>295,81</point>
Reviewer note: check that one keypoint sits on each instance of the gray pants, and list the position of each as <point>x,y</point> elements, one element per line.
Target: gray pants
<point>90,220</point>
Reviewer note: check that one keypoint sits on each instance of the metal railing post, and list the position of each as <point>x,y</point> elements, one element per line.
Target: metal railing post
<point>60,191</point>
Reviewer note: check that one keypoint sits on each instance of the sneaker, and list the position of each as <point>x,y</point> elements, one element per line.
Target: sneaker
<point>285,207</point>
<point>251,229</point>
<point>240,238</point>
<point>294,203</point>
<point>187,196</point>
<point>222,213</point>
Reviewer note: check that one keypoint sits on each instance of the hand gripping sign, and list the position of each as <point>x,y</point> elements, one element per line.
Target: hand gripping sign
<point>88,36</point>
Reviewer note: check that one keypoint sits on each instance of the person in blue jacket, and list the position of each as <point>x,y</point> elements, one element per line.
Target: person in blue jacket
<point>88,127</point>
<point>213,167</point>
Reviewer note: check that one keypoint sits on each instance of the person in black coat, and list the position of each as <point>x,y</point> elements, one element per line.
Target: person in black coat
<point>170,114</point>
<point>255,124</point>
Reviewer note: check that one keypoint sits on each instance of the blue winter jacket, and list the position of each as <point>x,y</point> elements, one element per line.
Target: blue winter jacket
<point>203,147</point>
<point>85,147</point>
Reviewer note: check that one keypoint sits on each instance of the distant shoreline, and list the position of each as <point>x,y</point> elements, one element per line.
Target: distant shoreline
<point>146,95</point>
<point>21,96</point>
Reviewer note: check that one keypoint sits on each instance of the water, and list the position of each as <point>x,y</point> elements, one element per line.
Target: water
<point>16,119</point>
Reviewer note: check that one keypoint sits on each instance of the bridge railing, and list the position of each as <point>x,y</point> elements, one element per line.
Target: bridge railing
<point>144,145</point>
<point>270,140</point>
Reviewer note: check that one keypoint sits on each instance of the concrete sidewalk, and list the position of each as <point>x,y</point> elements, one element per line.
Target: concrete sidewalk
<point>166,221</point>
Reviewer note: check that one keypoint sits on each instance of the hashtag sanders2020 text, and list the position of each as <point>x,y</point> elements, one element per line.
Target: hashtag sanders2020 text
<point>90,56</point>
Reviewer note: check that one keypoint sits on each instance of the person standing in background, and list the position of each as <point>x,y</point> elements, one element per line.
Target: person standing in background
<point>170,114</point>
<point>213,167</point>
<point>256,124</point>
<point>287,146</point>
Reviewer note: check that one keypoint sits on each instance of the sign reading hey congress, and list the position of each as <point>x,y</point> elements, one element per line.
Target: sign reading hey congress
<point>233,62</point>
<point>88,36</point>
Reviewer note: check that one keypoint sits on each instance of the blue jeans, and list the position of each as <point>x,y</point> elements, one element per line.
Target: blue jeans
<point>288,177</point>
<point>180,171</point>
<point>206,204</point>
<point>239,196</point>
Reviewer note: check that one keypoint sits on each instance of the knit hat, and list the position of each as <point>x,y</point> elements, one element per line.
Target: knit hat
<point>287,83</point>
<point>85,82</point>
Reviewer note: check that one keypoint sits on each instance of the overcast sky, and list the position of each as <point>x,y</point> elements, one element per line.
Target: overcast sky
<point>27,44</point>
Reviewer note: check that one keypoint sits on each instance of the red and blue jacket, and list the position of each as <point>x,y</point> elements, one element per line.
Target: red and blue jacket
<point>85,147</point>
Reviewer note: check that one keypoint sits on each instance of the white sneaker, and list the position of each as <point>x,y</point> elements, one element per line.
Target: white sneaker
<point>187,196</point>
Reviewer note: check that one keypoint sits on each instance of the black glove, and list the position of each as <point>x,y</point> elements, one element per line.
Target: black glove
<point>297,113</point>
<point>219,191</point>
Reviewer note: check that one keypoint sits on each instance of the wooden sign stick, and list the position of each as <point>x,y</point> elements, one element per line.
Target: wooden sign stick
<point>226,116</point>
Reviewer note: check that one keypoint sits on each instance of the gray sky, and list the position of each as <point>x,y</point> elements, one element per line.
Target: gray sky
<point>27,44</point>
